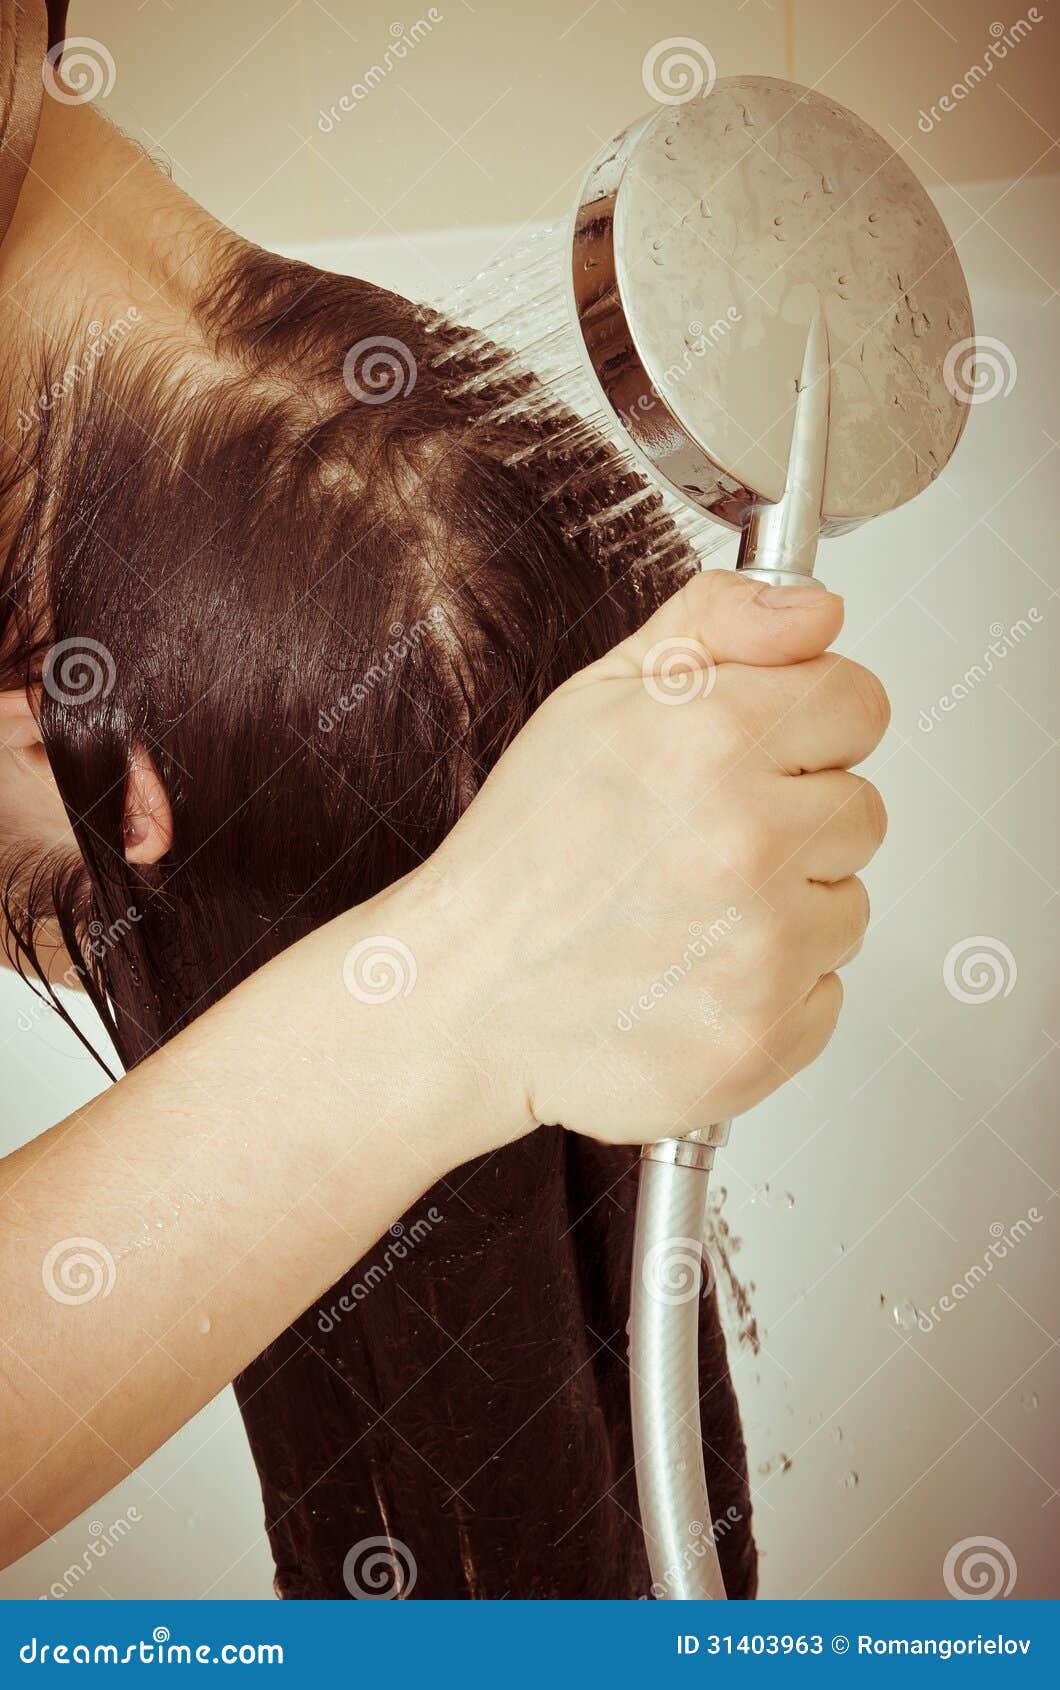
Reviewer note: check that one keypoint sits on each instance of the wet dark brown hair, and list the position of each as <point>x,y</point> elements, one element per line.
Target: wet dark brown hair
<point>321,581</point>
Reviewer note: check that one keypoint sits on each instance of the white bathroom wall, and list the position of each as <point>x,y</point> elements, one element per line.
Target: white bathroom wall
<point>886,1175</point>
<point>483,112</point>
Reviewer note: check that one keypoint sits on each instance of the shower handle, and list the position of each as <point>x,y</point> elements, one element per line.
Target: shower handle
<point>778,545</point>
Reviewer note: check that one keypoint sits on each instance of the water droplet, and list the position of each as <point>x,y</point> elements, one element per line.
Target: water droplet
<point>850,1481</point>
<point>1029,1400</point>
<point>837,1434</point>
<point>779,1464</point>
<point>789,1199</point>
<point>840,1249</point>
<point>203,1323</point>
<point>906,1315</point>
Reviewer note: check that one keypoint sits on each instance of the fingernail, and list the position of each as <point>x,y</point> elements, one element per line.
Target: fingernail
<point>793,598</point>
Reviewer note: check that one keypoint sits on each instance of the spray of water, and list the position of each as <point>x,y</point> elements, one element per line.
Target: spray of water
<point>517,327</point>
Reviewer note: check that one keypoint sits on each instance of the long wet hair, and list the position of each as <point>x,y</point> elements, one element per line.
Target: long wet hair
<point>323,576</point>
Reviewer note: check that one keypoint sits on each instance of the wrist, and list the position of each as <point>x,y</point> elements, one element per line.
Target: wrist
<point>418,980</point>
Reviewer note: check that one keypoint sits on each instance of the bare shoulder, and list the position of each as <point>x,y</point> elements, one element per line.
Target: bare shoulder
<point>24,30</point>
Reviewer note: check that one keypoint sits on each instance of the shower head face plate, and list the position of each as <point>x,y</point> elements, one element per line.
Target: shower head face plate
<point>705,237</point>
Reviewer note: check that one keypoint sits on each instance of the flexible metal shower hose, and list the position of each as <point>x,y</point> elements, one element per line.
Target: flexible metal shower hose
<point>664,1366</point>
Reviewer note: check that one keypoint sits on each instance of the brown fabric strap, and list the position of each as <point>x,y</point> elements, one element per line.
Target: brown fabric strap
<point>23,42</point>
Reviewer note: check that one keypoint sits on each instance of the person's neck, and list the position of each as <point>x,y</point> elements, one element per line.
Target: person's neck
<point>100,235</point>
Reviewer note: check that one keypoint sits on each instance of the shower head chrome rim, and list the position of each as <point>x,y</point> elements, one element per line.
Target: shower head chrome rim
<point>613,360</point>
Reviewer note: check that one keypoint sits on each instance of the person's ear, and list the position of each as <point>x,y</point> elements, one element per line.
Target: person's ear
<point>148,817</point>
<point>18,721</point>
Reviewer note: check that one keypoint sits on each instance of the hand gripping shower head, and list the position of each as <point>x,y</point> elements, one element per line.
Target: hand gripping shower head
<point>754,305</point>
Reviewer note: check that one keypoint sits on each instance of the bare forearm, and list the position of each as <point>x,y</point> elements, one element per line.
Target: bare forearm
<point>153,1244</point>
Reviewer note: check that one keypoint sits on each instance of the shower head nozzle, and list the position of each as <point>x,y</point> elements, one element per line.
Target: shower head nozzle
<point>707,241</point>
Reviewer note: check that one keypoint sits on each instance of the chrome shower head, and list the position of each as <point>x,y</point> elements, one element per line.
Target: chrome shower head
<point>706,239</point>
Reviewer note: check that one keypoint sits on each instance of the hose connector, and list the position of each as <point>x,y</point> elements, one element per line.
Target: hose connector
<point>696,1150</point>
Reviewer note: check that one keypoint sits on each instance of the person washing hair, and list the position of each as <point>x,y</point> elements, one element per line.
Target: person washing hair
<point>373,797</point>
